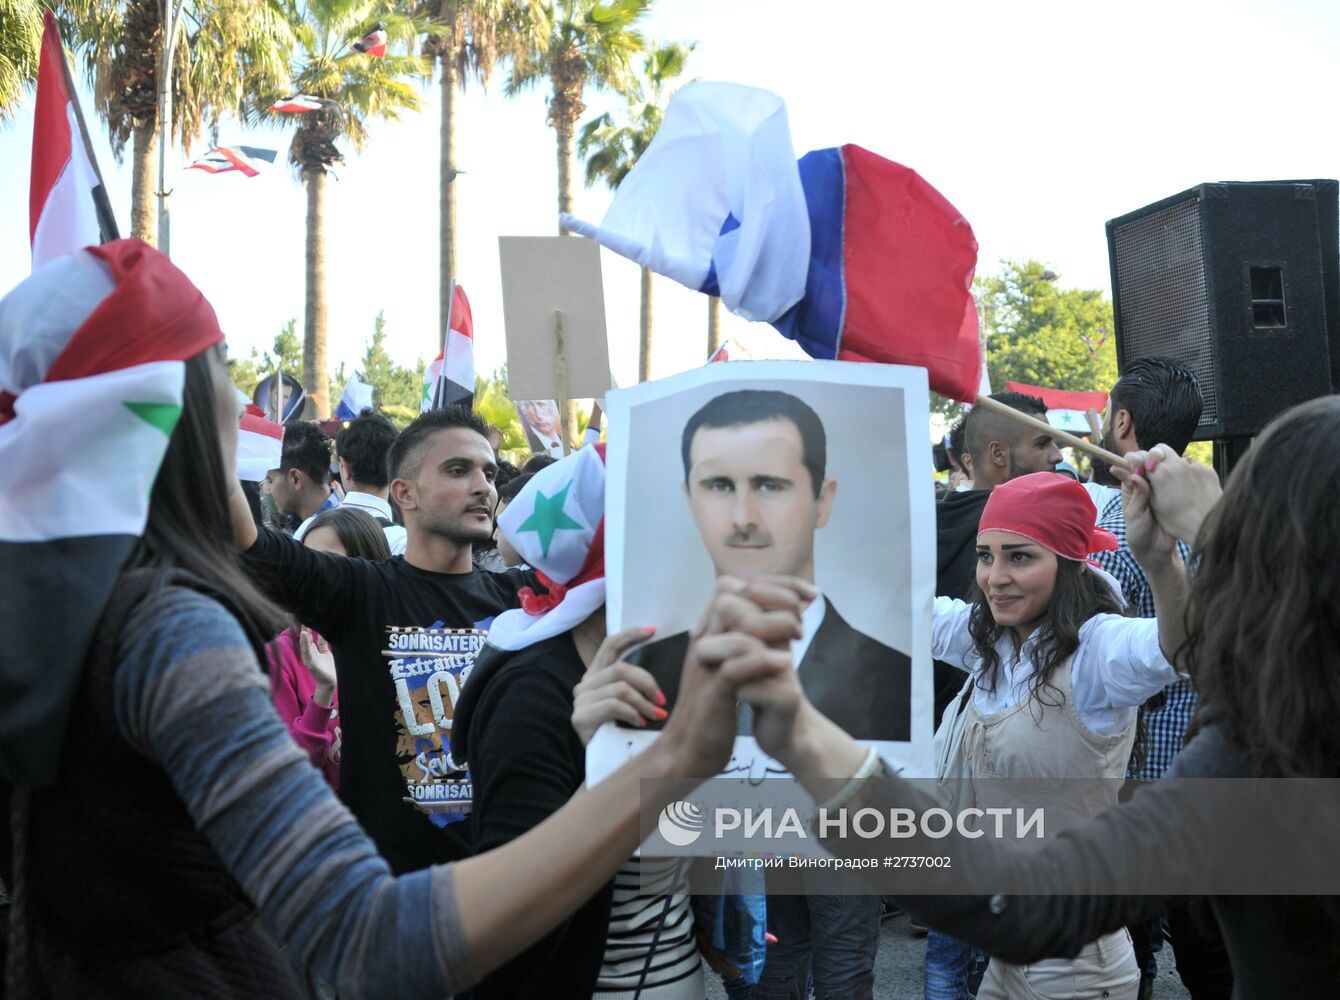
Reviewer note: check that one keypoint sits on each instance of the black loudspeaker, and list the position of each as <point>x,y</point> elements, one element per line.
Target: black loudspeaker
<point>1240,282</point>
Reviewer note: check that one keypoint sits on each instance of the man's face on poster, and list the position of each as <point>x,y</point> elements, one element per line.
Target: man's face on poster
<point>753,501</point>
<point>542,416</point>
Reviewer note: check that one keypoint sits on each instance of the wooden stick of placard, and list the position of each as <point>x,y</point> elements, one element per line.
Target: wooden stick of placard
<point>561,370</point>
<point>1092,450</point>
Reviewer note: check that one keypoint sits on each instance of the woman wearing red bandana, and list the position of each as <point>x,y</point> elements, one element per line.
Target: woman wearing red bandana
<point>1058,674</point>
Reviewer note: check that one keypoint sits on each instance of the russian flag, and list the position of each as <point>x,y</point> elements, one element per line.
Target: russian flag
<point>62,214</point>
<point>450,378</point>
<point>853,256</point>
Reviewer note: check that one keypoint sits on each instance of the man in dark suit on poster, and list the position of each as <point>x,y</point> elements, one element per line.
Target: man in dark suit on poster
<point>754,476</point>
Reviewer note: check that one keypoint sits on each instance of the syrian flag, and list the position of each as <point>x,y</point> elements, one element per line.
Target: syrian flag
<point>450,378</point>
<point>62,208</point>
<point>1067,409</point>
<point>298,104</point>
<point>850,255</point>
<point>222,159</point>
<point>373,43</point>
<point>91,377</point>
<point>260,443</point>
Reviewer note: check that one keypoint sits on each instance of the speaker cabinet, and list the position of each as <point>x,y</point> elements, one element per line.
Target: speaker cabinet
<point>1239,282</point>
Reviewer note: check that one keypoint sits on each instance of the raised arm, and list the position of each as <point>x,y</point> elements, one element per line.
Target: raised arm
<point>1154,545</point>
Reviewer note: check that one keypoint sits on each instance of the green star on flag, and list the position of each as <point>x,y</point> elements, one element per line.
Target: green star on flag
<point>548,517</point>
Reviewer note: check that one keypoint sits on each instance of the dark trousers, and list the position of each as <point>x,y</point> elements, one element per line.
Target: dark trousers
<point>833,937</point>
<point>1202,959</point>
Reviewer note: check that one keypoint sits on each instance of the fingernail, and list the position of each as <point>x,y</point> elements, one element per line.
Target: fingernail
<point>660,713</point>
<point>649,629</point>
<point>641,721</point>
<point>660,698</point>
<point>769,938</point>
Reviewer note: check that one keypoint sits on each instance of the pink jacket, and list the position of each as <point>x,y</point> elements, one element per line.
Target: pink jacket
<point>315,729</point>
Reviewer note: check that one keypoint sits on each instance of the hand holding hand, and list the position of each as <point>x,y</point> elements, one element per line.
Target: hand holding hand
<point>744,635</point>
<point>614,690</point>
<point>1184,491</point>
<point>1151,542</point>
<point>320,663</point>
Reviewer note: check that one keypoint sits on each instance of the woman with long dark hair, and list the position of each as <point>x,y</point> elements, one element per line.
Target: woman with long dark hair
<point>1058,677</point>
<point>1263,650</point>
<point>174,840</point>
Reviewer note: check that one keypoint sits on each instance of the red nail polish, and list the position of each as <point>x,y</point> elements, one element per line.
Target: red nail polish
<point>660,713</point>
<point>641,721</point>
<point>649,629</point>
<point>660,698</point>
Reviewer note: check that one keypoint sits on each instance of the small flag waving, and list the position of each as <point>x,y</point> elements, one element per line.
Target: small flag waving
<point>260,443</point>
<point>853,256</point>
<point>1066,408</point>
<point>222,159</point>
<point>356,398</point>
<point>298,104</point>
<point>62,211</point>
<point>372,44</point>
<point>450,379</point>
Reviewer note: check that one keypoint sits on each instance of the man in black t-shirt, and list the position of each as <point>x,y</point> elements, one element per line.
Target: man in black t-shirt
<point>405,634</point>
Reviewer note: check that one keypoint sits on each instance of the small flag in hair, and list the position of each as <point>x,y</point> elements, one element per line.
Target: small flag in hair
<point>373,43</point>
<point>222,159</point>
<point>298,104</point>
<point>450,379</point>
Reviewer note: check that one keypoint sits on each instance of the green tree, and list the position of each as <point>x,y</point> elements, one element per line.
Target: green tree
<point>396,390</point>
<point>583,42</point>
<point>1039,333</point>
<point>494,406</point>
<point>227,50</point>
<point>20,51</point>
<point>354,88</point>
<point>472,37</point>
<point>247,372</point>
<point>612,146</point>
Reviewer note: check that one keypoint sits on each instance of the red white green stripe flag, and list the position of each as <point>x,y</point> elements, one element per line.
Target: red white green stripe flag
<point>92,351</point>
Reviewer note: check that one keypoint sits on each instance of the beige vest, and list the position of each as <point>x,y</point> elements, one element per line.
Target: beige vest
<point>1029,755</point>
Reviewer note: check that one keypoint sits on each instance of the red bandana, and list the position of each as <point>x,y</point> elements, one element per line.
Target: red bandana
<point>1050,509</point>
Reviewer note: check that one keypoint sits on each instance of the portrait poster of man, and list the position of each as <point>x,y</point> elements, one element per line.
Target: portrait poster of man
<point>543,426</point>
<point>808,468</point>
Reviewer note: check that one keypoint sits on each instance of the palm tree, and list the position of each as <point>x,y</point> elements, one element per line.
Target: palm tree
<point>585,41</point>
<point>611,149</point>
<point>354,89</point>
<point>226,51</point>
<point>20,49</point>
<point>474,36</point>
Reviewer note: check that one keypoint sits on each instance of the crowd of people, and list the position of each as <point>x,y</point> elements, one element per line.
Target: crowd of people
<point>262,785</point>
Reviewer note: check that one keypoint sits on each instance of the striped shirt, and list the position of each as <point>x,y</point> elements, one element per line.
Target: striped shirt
<point>190,696</point>
<point>648,893</point>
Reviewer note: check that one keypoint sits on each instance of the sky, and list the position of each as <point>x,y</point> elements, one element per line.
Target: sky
<point>1038,121</point>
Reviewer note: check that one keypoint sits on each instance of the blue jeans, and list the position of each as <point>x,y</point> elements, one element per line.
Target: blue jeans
<point>953,971</point>
<point>833,937</point>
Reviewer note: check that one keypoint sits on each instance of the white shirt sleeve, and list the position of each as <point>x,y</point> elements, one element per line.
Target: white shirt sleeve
<point>950,640</point>
<point>1118,667</point>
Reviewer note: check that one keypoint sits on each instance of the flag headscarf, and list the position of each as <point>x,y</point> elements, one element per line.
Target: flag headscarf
<point>92,352</point>
<point>557,525</point>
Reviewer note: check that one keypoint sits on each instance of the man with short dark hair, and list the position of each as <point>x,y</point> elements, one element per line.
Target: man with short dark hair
<point>301,484</point>
<point>405,633</point>
<point>362,449</point>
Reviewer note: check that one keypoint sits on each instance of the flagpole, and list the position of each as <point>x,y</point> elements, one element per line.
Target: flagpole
<point>101,204</point>
<point>171,26</point>
<point>1092,450</point>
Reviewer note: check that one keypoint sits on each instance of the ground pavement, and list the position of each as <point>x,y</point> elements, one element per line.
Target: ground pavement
<point>898,967</point>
